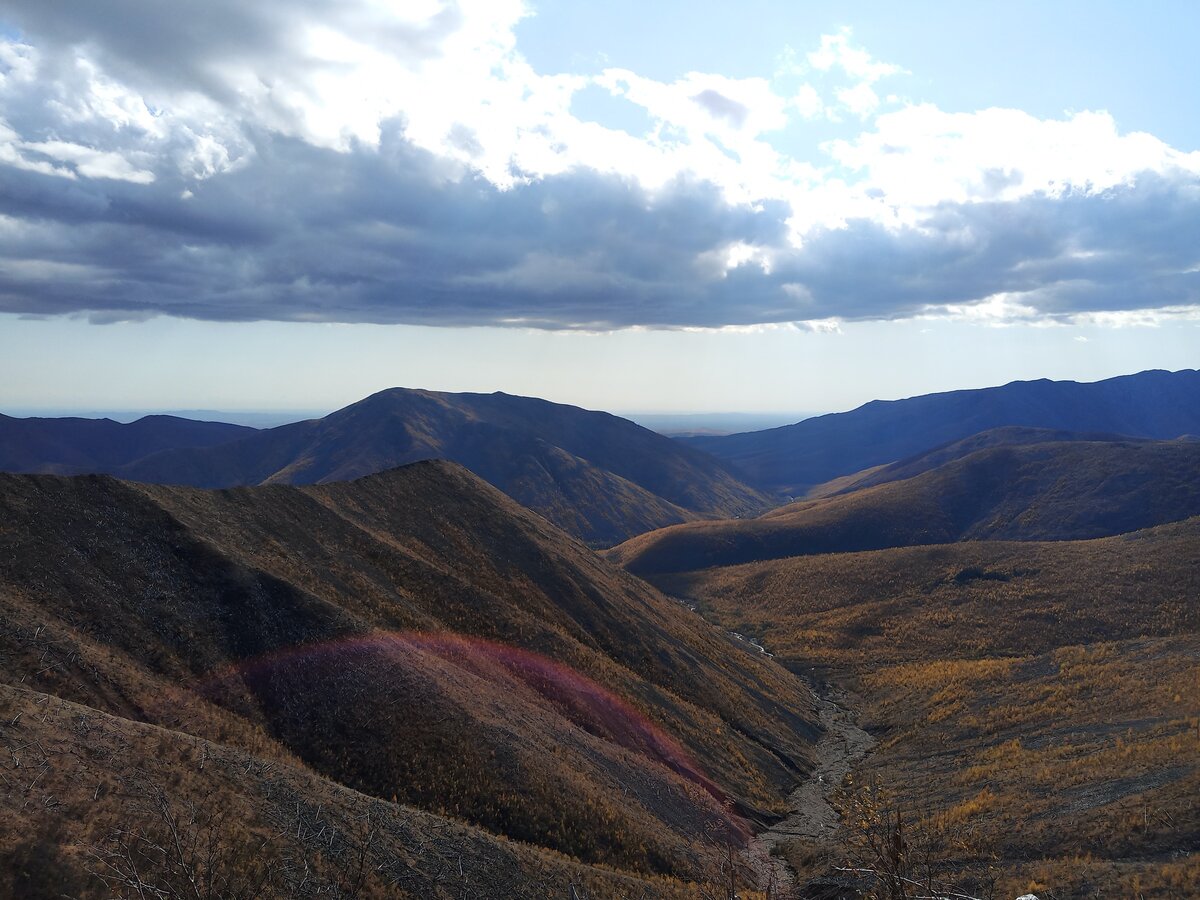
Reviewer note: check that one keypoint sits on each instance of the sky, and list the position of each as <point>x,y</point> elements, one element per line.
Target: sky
<point>769,207</point>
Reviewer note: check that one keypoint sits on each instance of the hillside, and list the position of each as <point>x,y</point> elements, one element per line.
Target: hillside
<point>414,636</point>
<point>967,600</point>
<point>597,476</point>
<point>1034,704</point>
<point>795,458</point>
<point>70,445</point>
<point>1009,436</point>
<point>1035,492</point>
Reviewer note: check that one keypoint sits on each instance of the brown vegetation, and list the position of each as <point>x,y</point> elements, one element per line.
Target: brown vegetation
<point>1042,699</point>
<point>414,636</point>
<point>1048,491</point>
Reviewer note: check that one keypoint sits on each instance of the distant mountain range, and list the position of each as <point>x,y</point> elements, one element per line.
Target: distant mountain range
<point>415,636</point>
<point>1052,490</point>
<point>69,446</point>
<point>600,477</point>
<point>795,458</point>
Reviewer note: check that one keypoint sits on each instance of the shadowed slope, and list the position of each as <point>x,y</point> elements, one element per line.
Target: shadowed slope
<point>71,445</point>
<point>415,635</point>
<point>1050,491</point>
<point>792,459</point>
<point>598,476</point>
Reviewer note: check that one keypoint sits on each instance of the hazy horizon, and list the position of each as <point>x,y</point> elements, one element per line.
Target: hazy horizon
<point>726,421</point>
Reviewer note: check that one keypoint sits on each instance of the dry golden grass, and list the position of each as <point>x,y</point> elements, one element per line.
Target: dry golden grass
<point>72,778</point>
<point>1043,696</point>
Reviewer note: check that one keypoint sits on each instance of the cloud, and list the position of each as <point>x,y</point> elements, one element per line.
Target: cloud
<point>346,162</point>
<point>836,52</point>
<point>722,107</point>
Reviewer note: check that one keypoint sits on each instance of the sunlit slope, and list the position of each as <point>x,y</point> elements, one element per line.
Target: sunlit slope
<point>414,635</point>
<point>1048,491</point>
<point>970,599</point>
<point>1010,436</point>
<point>1035,702</point>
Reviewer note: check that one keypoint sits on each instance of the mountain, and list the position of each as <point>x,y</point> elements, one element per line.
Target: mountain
<point>1044,491</point>
<point>70,446</point>
<point>794,458</point>
<point>600,477</point>
<point>414,636</point>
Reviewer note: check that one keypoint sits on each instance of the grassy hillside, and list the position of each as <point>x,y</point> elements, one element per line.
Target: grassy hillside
<point>415,636</point>
<point>1046,491</point>
<point>600,477</point>
<point>794,458</point>
<point>85,793</point>
<point>967,600</point>
<point>1036,705</point>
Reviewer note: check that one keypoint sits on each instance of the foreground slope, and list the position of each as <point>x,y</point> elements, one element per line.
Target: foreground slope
<point>415,636</point>
<point>71,445</point>
<point>1035,704</point>
<point>598,476</point>
<point>794,458</point>
<point>1045,491</point>
<point>106,797</point>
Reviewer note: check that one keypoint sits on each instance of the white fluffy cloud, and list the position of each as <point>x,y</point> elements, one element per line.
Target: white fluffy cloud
<point>362,160</point>
<point>920,156</point>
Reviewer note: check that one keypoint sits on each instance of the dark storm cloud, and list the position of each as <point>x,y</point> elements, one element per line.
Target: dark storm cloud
<point>305,233</point>
<point>1125,249</point>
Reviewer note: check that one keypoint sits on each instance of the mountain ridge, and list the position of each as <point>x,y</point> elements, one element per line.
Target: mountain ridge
<point>72,445</point>
<point>599,476</point>
<point>793,459</point>
<point>414,634</point>
<point>1043,491</point>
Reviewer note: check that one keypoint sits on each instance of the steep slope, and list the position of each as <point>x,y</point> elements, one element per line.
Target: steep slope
<point>598,476</point>
<point>414,635</point>
<point>71,445</point>
<point>794,458</point>
<point>106,793</point>
<point>1049,491</point>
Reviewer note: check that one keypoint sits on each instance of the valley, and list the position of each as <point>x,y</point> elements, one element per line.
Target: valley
<point>1034,705</point>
